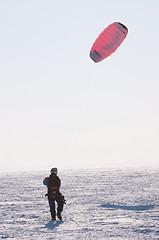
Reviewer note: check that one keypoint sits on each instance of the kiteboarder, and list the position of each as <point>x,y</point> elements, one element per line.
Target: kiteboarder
<point>53,184</point>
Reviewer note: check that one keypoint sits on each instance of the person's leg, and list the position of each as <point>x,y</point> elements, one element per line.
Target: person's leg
<point>59,208</point>
<point>52,208</point>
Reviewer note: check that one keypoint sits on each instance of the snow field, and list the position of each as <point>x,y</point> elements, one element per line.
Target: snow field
<point>101,204</point>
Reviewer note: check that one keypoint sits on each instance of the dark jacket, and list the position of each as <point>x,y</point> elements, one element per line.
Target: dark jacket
<point>54,184</point>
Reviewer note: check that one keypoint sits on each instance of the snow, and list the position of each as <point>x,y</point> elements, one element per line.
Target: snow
<point>101,204</point>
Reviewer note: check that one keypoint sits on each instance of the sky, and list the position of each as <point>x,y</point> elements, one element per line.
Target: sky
<point>58,107</point>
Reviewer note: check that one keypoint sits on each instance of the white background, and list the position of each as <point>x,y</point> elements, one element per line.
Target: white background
<point>59,108</point>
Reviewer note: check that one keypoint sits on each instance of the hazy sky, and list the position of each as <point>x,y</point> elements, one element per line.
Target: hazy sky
<point>58,107</point>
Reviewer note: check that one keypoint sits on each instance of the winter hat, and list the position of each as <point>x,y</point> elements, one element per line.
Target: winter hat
<point>54,170</point>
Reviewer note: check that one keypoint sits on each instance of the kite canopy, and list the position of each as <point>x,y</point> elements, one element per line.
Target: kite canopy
<point>108,41</point>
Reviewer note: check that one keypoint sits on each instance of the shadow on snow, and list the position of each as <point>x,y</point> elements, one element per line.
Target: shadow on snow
<point>133,208</point>
<point>52,224</point>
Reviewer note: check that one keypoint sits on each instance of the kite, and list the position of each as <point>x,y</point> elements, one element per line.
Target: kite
<point>108,41</point>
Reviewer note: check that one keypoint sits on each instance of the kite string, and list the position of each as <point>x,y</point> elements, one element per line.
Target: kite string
<point>89,90</point>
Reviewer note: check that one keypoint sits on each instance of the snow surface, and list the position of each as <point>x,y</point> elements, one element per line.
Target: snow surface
<point>101,204</point>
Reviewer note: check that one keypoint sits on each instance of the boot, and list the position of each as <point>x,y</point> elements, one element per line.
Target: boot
<point>59,216</point>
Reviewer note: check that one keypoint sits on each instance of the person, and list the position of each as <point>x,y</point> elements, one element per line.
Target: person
<point>53,184</point>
